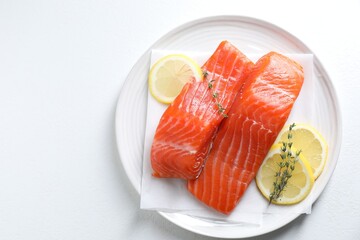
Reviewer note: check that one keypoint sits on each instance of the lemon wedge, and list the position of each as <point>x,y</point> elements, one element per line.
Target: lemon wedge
<point>312,144</point>
<point>169,74</point>
<point>298,186</point>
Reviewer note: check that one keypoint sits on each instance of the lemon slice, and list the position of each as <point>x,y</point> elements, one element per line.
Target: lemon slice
<point>311,143</point>
<point>298,186</point>
<point>169,74</point>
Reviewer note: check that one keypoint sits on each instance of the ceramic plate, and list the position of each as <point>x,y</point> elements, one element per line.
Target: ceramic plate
<point>250,36</point>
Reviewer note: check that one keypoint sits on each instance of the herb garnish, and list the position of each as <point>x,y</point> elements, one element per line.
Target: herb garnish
<point>215,95</point>
<point>210,84</point>
<point>286,167</point>
<point>205,74</point>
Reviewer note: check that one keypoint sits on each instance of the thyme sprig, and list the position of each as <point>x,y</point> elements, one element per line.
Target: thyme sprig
<point>210,84</point>
<point>286,167</point>
<point>215,95</point>
<point>205,74</point>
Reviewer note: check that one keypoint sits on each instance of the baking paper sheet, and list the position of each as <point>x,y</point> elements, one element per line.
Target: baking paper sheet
<point>171,195</point>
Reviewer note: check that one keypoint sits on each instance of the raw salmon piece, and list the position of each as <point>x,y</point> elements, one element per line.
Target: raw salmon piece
<point>187,127</point>
<point>258,114</point>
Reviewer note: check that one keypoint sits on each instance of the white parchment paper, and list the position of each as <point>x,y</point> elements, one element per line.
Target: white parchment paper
<point>171,195</point>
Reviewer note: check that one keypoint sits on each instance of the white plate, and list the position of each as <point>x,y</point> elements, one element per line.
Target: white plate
<point>250,36</point>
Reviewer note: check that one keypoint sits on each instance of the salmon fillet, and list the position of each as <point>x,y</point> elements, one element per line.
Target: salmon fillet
<point>186,129</point>
<point>255,119</point>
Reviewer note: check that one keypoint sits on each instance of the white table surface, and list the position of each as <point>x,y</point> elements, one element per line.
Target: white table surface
<point>62,65</point>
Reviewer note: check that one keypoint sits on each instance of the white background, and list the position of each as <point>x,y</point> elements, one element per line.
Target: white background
<point>62,65</point>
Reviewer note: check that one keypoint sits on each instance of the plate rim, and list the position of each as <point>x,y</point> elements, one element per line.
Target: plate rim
<point>247,19</point>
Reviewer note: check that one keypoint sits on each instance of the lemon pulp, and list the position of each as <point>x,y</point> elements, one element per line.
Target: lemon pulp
<point>298,186</point>
<point>312,144</point>
<point>169,74</point>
